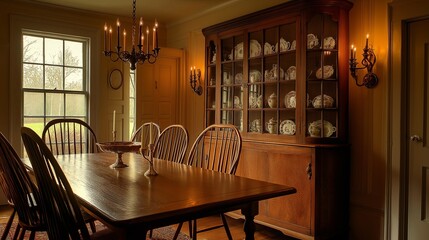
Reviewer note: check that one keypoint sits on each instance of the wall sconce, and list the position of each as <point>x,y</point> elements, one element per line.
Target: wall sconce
<point>370,80</point>
<point>195,80</point>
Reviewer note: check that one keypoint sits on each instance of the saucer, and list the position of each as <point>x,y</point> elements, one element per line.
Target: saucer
<point>287,127</point>
<point>328,71</point>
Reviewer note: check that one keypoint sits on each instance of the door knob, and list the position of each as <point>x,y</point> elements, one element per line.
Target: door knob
<point>416,138</point>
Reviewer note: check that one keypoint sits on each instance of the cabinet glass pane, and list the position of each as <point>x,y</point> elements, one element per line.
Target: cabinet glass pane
<point>322,77</point>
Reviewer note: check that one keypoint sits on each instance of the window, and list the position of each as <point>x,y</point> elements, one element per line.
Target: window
<point>132,116</point>
<point>54,79</point>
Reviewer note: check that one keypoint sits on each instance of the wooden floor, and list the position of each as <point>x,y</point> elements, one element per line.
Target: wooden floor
<point>236,227</point>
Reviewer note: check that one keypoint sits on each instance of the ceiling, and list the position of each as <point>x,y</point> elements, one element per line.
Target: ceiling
<point>165,11</point>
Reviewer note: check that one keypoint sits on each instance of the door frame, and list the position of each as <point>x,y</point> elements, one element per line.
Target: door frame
<point>401,13</point>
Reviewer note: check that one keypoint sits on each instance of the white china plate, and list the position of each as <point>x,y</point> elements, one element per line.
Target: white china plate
<point>290,100</point>
<point>328,101</point>
<point>255,76</point>
<point>255,48</point>
<point>329,43</point>
<point>291,73</point>
<point>292,45</point>
<point>237,102</point>
<point>238,50</point>
<point>287,127</point>
<point>328,71</point>
<point>312,41</point>
<point>255,126</point>
<point>238,79</point>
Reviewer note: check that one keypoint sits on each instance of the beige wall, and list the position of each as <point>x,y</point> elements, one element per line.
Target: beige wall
<point>369,123</point>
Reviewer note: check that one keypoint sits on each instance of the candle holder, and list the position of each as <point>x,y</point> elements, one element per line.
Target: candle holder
<point>195,81</point>
<point>114,135</point>
<point>370,79</point>
<point>151,171</point>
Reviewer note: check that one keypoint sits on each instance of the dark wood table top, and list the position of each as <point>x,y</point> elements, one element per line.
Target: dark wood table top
<point>126,200</point>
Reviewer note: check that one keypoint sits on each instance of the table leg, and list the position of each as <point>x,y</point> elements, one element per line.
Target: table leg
<point>249,212</point>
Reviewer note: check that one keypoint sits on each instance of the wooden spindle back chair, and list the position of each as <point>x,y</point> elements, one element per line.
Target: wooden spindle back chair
<point>21,191</point>
<point>69,136</point>
<point>144,131</point>
<point>172,144</point>
<point>60,206</point>
<point>217,148</point>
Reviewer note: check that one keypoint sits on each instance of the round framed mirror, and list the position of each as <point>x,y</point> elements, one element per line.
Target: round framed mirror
<point>116,79</point>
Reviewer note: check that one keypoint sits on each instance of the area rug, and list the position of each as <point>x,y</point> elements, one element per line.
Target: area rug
<point>164,233</point>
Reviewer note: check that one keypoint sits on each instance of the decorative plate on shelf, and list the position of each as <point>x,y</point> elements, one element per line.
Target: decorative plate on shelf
<point>292,45</point>
<point>328,101</point>
<point>255,126</point>
<point>255,76</point>
<point>255,48</point>
<point>238,51</point>
<point>238,79</point>
<point>329,43</point>
<point>287,127</point>
<point>328,71</point>
<point>237,102</point>
<point>315,128</point>
<point>255,102</point>
<point>312,41</point>
<point>291,73</point>
<point>268,49</point>
<point>290,100</point>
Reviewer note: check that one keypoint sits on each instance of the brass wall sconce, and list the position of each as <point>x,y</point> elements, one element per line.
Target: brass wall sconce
<point>195,81</point>
<point>370,79</point>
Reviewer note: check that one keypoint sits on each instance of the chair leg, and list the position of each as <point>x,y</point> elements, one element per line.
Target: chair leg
<point>32,235</point>
<point>92,226</point>
<point>8,225</point>
<point>22,234</point>
<point>17,230</point>
<point>225,224</point>
<point>176,234</point>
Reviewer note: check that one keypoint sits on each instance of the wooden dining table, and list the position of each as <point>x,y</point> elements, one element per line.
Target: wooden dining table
<point>130,203</point>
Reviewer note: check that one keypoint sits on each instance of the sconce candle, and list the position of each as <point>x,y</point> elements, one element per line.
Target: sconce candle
<point>370,79</point>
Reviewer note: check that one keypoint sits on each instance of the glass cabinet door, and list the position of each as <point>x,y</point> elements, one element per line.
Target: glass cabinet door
<point>211,84</point>
<point>272,80</point>
<point>322,77</point>
<point>231,90</point>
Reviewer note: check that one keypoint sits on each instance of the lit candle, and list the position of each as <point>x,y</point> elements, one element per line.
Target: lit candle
<point>118,24</point>
<point>140,30</point>
<point>142,40</point>
<point>105,36</point>
<point>366,44</point>
<point>156,34</point>
<point>125,36</point>
<point>114,120</point>
<point>147,39</point>
<point>153,37</point>
<point>150,133</point>
<point>354,53</point>
<point>351,52</point>
<point>110,38</point>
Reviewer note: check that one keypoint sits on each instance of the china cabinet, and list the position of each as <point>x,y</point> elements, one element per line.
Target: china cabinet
<point>280,76</point>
